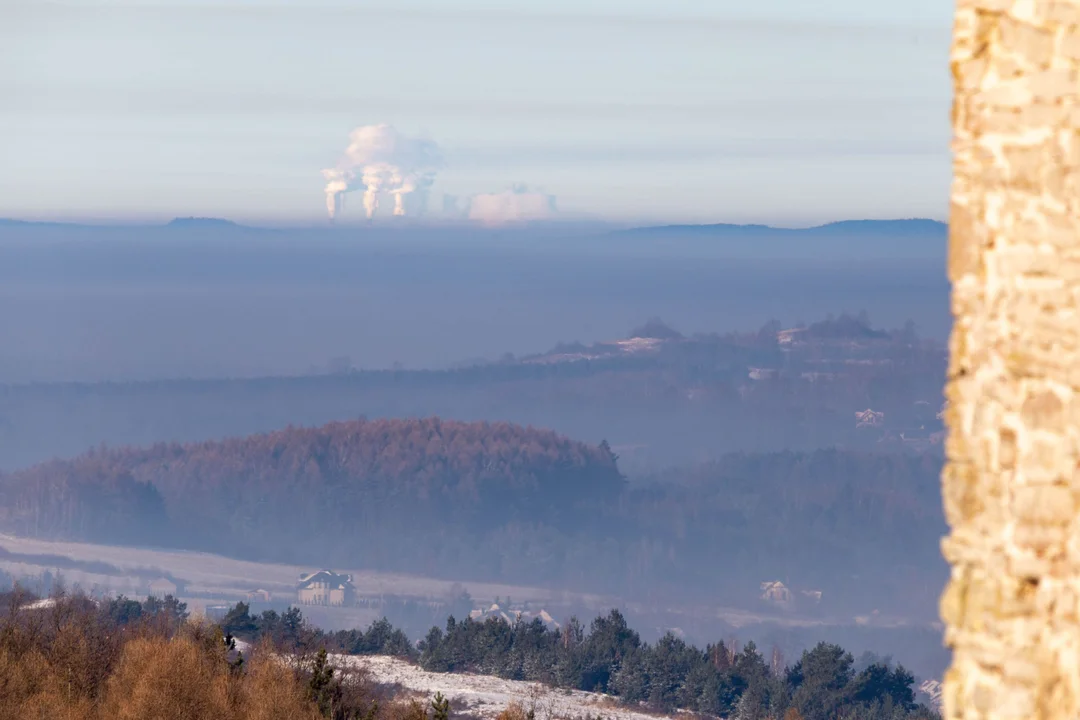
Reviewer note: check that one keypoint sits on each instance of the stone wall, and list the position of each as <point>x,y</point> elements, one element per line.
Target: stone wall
<point>1012,486</point>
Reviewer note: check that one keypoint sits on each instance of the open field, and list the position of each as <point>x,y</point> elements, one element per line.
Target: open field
<point>126,569</point>
<point>205,578</point>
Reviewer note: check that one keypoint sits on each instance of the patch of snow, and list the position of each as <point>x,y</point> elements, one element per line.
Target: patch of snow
<point>788,337</point>
<point>43,604</point>
<point>638,344</point>
<point>600,351</point>
<point>46,604</point>
<point>487,696</point>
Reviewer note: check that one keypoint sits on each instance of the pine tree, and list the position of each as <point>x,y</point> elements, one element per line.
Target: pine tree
<point>238,621</point>
<point>751,706</point>
<point>440,707</point>
<point>321,688</point>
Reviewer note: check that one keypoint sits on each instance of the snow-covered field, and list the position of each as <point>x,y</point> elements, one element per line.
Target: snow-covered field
<point>485,697</point>
<point>204,573</point>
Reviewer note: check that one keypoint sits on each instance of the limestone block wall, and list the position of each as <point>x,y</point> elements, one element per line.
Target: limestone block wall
<point>1012,484</point>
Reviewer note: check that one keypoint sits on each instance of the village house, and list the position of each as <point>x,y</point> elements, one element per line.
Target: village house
<point>258,596</point>
<point>325,587</point>
<point>775,593</point>
<point>513,617</point>
<point>869,418</point>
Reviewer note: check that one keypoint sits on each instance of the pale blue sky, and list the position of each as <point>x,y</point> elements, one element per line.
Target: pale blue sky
<point>782,111</point>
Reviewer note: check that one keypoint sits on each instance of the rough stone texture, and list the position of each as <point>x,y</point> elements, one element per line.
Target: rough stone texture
<point>1012,484</point>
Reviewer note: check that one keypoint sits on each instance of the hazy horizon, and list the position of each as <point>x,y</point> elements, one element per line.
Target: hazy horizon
<point>435,223</point>
<point>111,304</point>
<point>620,112</point>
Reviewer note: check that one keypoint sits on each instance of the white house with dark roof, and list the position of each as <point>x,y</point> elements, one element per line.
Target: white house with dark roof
<point>258,595</point>
<point>326,587</point>
<point>869,418</point>
<point>776,593</point>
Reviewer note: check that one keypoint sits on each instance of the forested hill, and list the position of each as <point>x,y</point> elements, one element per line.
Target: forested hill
<point>500,502</point>
<point>354,484</point>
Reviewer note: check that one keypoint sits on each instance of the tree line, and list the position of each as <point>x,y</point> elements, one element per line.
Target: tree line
<point>721,680</point>
<point>498,502</point>
<point>123,658</point>
<point>692,397</point>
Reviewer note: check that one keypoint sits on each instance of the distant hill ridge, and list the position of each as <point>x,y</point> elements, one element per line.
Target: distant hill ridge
<point>914,239</point>
<point>911,225</point>
<point>178,222</point>
<point>919,240</point>
<point>201,222</point>
<point>877,227</point>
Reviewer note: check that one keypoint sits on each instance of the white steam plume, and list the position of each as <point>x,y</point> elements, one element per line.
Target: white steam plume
<point>337,183</point>
<point>516,205</point>
<point>379,159</point>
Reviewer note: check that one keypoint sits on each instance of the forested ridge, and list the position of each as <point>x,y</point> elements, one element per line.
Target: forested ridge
<point>608,656</point>
<point>481,501</point>
<point>683,397</point>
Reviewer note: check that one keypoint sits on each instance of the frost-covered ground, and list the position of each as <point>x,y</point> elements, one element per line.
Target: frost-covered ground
<point>204,573</point>
<point>114,570</point>
<point>485,697</point>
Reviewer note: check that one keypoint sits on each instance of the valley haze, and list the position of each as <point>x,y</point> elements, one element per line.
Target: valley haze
<point>210,299</point>
<point>742,404</point>
<point>482,360</point>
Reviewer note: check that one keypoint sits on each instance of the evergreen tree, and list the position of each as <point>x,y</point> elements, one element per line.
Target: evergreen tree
<point>292,626</point>
<point>821,681</point>
<point>630,680</point>
<point>669,675</point>
<point>610,640</point>
<point>239,622</point>
<point>123,610</point>
<point>751,705</point>
<point>168,606</point>
<point>878,684</point>
<point>670,663</point>
<point>440,707</point>
<point>322,689</point>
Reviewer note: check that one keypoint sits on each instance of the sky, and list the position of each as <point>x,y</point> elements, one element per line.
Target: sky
<point>778,111</point>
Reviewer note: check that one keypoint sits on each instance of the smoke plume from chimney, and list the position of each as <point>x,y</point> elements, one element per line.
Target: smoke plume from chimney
<point>381,160</point>
<point>516,205</point>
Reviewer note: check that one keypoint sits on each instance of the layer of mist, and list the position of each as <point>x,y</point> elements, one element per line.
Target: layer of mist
<point>197,300</point>
<point>781,422</point>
